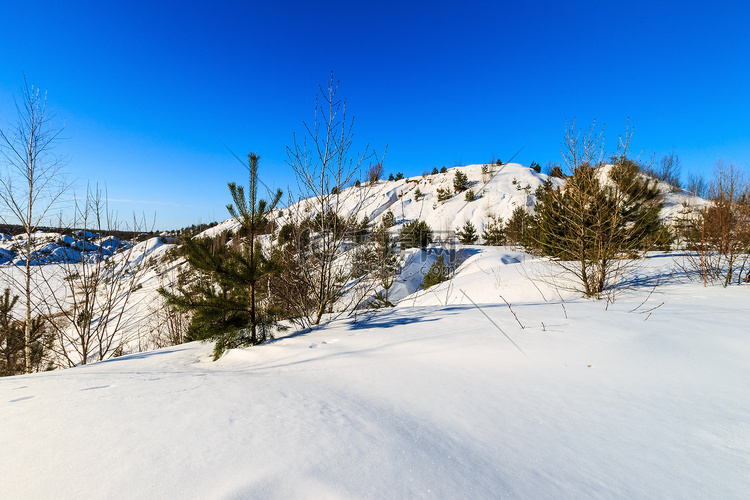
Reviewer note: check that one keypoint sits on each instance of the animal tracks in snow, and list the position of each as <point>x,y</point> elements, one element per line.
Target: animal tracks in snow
<point>325,342</point>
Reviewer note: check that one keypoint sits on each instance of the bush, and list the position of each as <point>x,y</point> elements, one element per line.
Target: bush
<point>417,194</point>
<point>535,167</point>
<point>443,194</point>
<point>470,196</point>
<point>415,234</point>
<point>721,233</point>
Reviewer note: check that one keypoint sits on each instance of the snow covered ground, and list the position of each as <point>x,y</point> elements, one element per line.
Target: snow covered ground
<point>426,400</point>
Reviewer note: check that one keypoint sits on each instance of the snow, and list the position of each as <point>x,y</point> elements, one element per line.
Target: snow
<point>425,400</point>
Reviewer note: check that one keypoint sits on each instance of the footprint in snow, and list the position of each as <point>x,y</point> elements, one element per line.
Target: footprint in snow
<point>21,399</point>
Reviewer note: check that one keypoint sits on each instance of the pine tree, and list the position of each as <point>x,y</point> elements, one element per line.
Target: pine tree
<point>437,273</point>
<point>11,338</point>
<point>443,194</point>
<point>467,235</point>
<point>516,227</point>
<point>415,234</point>
<point>588,225</point>
<point>386,265</point>
<point>434,170</point>
<point>224,299</point>
<point>460,182</point>
<point>389,219</point>
<point>493,233</point>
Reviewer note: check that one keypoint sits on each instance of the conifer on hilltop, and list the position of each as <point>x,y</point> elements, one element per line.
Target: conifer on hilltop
<point>460,181</point>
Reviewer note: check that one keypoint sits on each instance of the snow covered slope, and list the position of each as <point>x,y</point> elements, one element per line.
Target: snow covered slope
<point>425,400</point>
<point>499,191</point>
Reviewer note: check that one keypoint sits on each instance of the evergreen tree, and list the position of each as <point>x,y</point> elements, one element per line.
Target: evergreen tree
<point>443,194</point>
<point>460,182</point>
<point>470,195</point>
<point>386,265</point>
<point>389,219</point>
<point>437,273</point>
<point>434,170</point>
<point>493,233</point>
<point>443,169</point>
<point>467,235</point>
<point>12,340</point>
<point>592,224</point>
<point>415,234</point>
<point>224,299</point>
<point>390,177</point>
<point>399,176</point>
<point>516,227</point>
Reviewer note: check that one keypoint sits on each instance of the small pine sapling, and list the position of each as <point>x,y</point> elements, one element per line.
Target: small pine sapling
<point>493,233</point>
<point>467,235</point>
<point>437,273</point>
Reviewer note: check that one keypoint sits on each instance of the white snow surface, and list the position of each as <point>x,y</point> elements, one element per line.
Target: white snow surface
<point>646,397</point>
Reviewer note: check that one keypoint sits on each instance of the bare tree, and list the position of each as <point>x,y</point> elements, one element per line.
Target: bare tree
<point>326,215</point>
<point>721,233</point>
<point>32,183</point>
<point>374,172</point>
<point>668,170</point>
<point>91,310</point>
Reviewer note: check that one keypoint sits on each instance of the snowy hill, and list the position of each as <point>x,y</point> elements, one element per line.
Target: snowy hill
<point>646,397</point>
<point>499,191</point>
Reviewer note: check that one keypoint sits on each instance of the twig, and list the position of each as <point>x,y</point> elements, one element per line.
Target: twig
<point>652,309</point>
<point>495,324</point>
<point>514,314</point>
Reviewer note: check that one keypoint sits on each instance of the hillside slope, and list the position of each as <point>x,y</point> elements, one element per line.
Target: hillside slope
<point>500,191</point>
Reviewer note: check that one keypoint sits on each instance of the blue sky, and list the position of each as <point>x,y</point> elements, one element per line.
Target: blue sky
<point>153,93</point>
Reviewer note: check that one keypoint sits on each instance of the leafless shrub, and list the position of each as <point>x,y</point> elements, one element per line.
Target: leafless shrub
<point>721,235</point>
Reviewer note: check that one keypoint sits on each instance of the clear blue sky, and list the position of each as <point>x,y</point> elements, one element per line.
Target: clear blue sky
<point>153,93</point>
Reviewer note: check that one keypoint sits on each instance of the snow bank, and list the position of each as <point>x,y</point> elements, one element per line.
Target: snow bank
<point>425,400</point>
